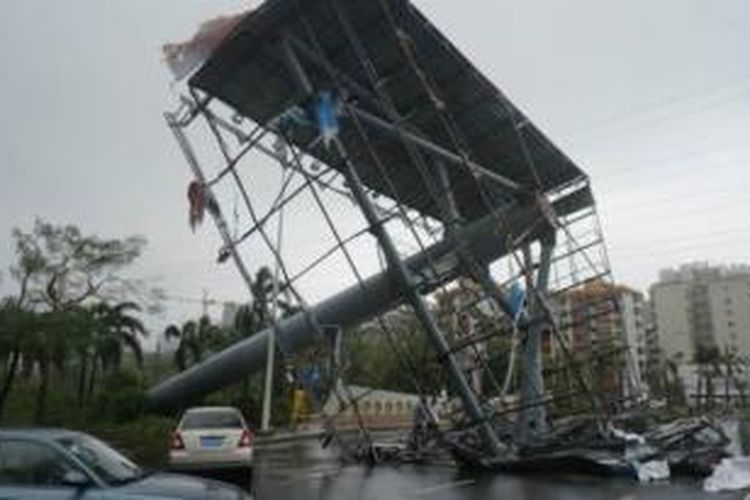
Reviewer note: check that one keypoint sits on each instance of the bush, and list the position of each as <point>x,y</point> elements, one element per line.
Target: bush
<point>145,440</point>
<point>122,398</point>
<point>117,418</point>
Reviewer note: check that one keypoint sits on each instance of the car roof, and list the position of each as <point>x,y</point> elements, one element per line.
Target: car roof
<point>212,409</point>
<point>38,433</point>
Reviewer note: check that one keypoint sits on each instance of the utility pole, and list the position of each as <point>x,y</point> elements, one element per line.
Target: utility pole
<point>271,353</point>
<point>270,357</point>
<point>204,302</point>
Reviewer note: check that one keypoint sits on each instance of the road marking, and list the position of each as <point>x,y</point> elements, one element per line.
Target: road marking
<point>293,476</point>
<point>446,486</point>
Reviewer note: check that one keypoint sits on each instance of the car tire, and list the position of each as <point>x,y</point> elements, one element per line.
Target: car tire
<point>246,477</point>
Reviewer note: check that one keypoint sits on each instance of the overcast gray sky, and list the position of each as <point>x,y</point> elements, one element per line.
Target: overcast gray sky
<point>652,98</point>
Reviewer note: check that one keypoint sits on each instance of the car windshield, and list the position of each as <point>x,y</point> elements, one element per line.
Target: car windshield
<point>108,464</point>
<point>212,420</point>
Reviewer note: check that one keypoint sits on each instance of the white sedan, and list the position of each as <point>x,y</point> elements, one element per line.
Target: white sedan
<point>212,438</point>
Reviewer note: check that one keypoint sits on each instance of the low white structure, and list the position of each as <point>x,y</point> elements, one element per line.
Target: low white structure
<point>377,408</point>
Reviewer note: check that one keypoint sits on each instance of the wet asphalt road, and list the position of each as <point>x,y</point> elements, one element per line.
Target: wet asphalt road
<point>292,471</point>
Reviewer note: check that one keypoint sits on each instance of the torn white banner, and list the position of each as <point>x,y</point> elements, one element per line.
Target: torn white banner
<point>184,58</point>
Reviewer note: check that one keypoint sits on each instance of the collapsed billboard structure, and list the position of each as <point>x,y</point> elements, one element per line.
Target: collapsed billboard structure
<point>365,100</point>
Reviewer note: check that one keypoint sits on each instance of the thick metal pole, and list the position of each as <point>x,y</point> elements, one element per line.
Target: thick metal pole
<point>408,285</point>
<point>346,309</point>
<point>271,354</point>
<point>268,381</point>
<point>434,267</point>
<point>454,230</point>
<point>533,418</point>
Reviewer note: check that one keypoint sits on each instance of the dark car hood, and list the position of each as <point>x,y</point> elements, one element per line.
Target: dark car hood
<point>181,486</point>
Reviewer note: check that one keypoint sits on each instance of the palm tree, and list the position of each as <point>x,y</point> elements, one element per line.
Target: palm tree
<point>674,388</point>
<point>80,336</point>
<point>732,365</point>
<point>246,322</point>
<point>263,297</point>
<point>256,316</point>
<point>40,344</point>
<point>262,290</point>
<point>114,330</point>
<point>195,339</point>
<point>29,340</point>
<point>13,323</point>
<point>48,349</point>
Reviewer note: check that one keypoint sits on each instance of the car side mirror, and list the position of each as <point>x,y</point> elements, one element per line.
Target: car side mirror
<point>76,479</point>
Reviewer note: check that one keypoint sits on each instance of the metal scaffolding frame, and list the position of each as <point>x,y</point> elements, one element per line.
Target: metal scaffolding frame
<point>550,238</point>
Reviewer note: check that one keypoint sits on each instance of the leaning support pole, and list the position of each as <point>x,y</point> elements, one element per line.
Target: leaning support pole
<point>408,286</point>
<point>454,229</point>
<point>533,418</point>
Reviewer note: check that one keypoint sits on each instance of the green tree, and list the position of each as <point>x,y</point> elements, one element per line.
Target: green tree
<point>246,322</point>
<point>59,270</point>
<point>675,390</point>
<point>58,267</point>
<point>114,330</point>
<point>14,322</point>
<point>399,362</point>
<point>122,398</point>
<point>250,319</point>
<point>262,289</point>
<point>41,343</point>
<point>195,340</point>
<point>258,314</point>
<point>47,347</point>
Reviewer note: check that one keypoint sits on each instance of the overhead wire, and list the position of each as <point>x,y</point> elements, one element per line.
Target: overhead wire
<point>600,129</point>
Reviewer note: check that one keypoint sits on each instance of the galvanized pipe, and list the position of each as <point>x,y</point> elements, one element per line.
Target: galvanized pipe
<point>349,308</point>
<point>354,305</point>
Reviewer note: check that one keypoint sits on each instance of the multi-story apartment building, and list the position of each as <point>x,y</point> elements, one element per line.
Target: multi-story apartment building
<point>702,310</point>
<point>729,301</point>
<point>606,324</point>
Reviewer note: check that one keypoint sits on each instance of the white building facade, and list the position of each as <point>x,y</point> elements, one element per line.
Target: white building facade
<point>701,309</point>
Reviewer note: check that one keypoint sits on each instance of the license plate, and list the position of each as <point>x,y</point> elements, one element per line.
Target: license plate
<point>212,442</point>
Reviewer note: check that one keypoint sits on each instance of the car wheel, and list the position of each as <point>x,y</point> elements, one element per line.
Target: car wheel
<point>246,476</point>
